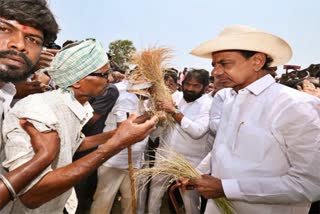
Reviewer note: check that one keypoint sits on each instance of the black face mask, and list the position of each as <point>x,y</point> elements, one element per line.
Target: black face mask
<point>191,96</point>
<point>12,73</point>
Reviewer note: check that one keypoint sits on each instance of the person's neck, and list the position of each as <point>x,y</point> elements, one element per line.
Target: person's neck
<point>81,98</point>
<point>258,75</point>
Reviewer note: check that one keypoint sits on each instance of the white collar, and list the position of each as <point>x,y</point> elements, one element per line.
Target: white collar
<point>257,86</point>
<point>83,112</point>
<point>261,84</point>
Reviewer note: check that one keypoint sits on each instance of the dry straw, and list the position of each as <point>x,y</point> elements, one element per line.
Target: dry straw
<point>172,166</point>
<point>150,64</point>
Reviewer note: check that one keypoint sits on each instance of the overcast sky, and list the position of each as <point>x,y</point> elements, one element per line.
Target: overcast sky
<point>183,24</point>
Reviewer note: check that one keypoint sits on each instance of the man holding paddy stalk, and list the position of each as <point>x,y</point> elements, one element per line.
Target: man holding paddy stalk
<point>188,136</point>
<point>265,158</point>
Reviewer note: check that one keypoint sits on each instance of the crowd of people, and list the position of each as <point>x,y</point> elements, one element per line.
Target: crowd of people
<point>71,117</point>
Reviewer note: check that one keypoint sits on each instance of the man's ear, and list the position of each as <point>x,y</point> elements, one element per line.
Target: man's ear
<point>76,85</point>
<point>258,61</point>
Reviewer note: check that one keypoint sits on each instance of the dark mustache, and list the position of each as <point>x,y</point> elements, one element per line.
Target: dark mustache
<point>27,61</point>
<point>190,92</point>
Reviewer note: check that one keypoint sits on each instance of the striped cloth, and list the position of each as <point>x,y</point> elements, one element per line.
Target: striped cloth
<point>76,61</point>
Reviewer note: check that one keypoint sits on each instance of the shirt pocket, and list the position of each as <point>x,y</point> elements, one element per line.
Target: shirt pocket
<point>252,143</point>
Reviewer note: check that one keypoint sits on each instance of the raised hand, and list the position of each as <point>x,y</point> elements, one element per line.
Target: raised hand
<point>46,57</point>
<point>130,132</point>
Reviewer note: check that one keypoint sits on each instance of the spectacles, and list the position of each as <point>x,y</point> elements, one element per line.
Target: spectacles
<point>103,74</point>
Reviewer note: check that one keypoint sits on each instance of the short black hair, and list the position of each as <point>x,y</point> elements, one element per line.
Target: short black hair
<point>34,13</point>
<point>201,75</point>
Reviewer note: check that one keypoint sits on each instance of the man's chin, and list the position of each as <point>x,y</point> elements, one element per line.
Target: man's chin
<point>227,84</point>
<point>13,75</point>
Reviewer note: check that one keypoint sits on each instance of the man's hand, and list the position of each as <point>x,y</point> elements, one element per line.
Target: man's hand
<point>25,88</point>
<point>166,105</point>
<point>309,88</point>
<point>208,186</point>
<point>130,132</point>
<point>43,144</point>
<point>46,57</point>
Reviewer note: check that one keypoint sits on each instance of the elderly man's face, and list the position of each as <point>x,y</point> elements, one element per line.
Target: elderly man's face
<point>94,84</point>
<point>232,70</point>
<point>20,48</point>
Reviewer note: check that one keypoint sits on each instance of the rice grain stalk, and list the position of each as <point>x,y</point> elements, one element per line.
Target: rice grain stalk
<point>151,63</point>
<point>172,166</point>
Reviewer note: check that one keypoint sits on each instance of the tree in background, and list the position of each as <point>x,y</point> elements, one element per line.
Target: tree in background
<point>120,51</point>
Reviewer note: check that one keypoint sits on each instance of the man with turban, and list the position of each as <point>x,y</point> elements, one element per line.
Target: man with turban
<point>80,70</point>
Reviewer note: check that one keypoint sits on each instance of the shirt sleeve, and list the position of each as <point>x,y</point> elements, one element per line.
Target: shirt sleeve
<point>18,147</point>
<point>204,166</point>
<point>200,125</point>
<point>19,150</point>
<point>216,110</point>
<point>300,133</point>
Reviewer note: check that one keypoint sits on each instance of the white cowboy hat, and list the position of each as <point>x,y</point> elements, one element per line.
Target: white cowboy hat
<point>239,37</point>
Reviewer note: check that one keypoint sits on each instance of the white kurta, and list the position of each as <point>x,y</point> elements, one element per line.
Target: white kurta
<point>267,149</point>
<point>126,103</point>
<point>190,138</point>
<point>7,92</point>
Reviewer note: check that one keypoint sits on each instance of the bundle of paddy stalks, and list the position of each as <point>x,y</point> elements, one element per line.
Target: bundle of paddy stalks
<point>151,63</point>
<point>172,166</point>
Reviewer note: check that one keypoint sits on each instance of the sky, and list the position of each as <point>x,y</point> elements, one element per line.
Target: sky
<point>183,24</point>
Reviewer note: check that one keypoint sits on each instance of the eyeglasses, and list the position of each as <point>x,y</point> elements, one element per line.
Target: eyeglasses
<point>102,74</point>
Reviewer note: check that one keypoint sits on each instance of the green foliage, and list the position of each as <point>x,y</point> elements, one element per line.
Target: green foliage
<point>121,50</point>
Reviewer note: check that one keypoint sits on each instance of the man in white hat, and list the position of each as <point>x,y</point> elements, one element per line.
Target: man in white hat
<point>265,157</point>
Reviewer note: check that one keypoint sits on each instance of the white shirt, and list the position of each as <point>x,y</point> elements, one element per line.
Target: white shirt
<point>214,119</point>
<point>126,103</point>
<point>267,149</point>
<point>7,92</point>
<point>216,108</point>
<point>47,111</point>
<point>190,138</point>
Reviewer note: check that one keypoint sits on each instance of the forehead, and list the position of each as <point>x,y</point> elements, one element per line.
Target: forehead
<point>226,55</point>
<point>21,27</point>
<point>192,81</point>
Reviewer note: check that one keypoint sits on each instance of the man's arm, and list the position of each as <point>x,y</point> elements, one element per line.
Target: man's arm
<point>95,140</point>
<point>195,128</point>
<point>60,180</point>
<point>46,147</point>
